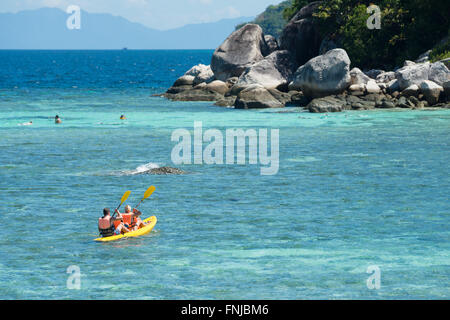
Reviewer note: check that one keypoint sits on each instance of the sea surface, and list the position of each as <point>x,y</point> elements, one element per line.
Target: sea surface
<point>355,190</point>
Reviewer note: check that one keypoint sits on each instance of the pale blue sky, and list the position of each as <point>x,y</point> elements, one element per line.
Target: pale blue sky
<point>157,14</point>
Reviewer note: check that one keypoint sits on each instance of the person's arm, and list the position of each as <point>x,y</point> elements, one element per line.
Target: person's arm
<point>118,217</point>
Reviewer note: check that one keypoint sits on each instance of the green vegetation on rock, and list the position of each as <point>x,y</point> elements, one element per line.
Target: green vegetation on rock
<point>441,51</point>
<point>272,20</point>
<point>408,28</point>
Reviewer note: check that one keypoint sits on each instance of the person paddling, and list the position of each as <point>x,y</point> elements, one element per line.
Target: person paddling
<point>58,120</point>
<point>135,219</point>
<point>106,224</point>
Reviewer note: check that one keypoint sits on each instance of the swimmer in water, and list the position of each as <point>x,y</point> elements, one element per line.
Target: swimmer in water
<point>122,117</point>
<point>26,123</point>
<point>58,120</point>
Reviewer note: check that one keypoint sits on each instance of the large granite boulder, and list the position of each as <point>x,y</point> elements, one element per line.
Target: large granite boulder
<point>301,35</point>
<point>439,73</point>
<point>256,96</point>
<point>412,75</point>
<point>241,49</point>
<point>274,71</point>
<point>323,75</point>
<point>431,91</point>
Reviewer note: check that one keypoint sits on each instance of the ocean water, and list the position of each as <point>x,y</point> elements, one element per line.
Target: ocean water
<point>354,190</point>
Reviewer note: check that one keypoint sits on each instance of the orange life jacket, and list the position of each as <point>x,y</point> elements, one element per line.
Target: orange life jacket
<point>104,226</point>
<point>128,219</point>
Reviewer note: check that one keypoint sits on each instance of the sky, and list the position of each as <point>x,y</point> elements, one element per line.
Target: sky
<point>156,14</point>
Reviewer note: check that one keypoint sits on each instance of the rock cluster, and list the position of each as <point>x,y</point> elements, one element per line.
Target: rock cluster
<point>253,70</point>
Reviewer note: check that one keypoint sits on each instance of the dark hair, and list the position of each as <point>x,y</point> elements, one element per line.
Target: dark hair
<point>57,117</point>
<point>106,211</point>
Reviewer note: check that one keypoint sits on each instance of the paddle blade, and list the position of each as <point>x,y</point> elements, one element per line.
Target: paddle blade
<point>125,197</point>
<point>149,192</point>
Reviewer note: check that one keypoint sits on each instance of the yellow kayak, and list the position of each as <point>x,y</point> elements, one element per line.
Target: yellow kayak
<point>133,234</point>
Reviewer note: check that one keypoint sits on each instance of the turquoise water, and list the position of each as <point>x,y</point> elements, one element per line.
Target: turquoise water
<point>354,190</point>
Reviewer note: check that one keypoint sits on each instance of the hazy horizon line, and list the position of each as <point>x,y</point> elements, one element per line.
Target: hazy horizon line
<point>114,15</point>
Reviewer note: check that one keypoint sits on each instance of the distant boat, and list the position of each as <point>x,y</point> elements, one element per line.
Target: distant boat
<point>125,49</point>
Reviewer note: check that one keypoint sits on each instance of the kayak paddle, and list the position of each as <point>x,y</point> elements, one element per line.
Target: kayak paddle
<point>124,198</point>
<point>147,194</point>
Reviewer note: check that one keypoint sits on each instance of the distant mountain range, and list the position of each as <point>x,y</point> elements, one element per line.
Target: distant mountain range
<point>46,29</point>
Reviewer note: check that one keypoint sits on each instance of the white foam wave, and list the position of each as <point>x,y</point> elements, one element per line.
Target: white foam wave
<point>141,169</point>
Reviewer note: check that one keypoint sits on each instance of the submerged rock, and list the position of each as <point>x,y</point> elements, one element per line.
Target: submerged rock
<point>165,171</point>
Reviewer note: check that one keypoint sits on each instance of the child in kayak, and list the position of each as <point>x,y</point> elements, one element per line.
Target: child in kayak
<point>106,224</point>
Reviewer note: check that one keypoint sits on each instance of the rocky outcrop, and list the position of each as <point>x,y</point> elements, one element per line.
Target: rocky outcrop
<point>241,49</point>
<point>324,75</point>
<point>301,35</point>
<point>256,96</point>
<point>250,71</point>
<point>274,71</point>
